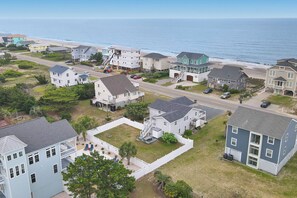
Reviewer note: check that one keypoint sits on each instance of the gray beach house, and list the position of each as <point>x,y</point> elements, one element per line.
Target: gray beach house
<point>261,140</point>
<point>232,76</point>
<point>82,53</point>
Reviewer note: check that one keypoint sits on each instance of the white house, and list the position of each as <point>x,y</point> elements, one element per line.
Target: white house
<point>155,61</point>
<point>62,76</point>
<point>32,156</point>
<point>123,57</point>
<point>116,91</point>
<point>83,53</point>
<point>174,116</point>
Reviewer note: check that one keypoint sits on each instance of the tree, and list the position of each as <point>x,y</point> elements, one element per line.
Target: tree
<point>128,150</point>
<point>225,88</point>
<point>97,57</point>
<point>137,111</point>
<point>61,99</point>
<point>41,79</point>
<point>83,124</point>
<point>178,189</point>
<point>161,179</point>
<point>84,91</point>
<point>95,176</point>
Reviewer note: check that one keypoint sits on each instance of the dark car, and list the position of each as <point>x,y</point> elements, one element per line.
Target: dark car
<point>136,77</point>
<point>132,76</point>
<point>265,104</point>
<point>226,95</point>
<point>207,91</point>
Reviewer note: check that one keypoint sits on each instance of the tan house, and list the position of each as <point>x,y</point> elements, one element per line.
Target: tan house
<point>155,61</point>
<point>282,78</point>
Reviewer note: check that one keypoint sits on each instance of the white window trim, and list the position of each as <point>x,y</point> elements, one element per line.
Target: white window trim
<point>234,131</point>
<point>235,140</point>
<point>267,152</point>
<point>270,142</point>
<point>31,178</point>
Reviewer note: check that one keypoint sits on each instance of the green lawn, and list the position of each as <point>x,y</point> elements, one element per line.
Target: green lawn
<point>151,97</point>
<point>167,84</point>
<point>147,152</point>
<point>284,101</point>
<point>51,56</point>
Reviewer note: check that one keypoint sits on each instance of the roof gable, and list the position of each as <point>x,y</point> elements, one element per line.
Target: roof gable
<point>191,55</point>
<point>10,144</point>
<point>118,84</point>
<point>228,72</point>
<point>59,69</point>
<point>155,56</point>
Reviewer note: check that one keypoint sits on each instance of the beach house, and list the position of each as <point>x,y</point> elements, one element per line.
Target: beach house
<point>190,67</point>
<point>83,53</point>
<point>13,39</point>
<point>58,49</point>
<point>260,139</point>
<point>116,91</point>
<point>155,61</point>
<point>173,116</point>
<point>38,47</point>
<point>32,156</point>
<point>62,76</point>
<point>123,58</point>
<point>231,76</point>
<point>24,43</point>
<point>282,78</point>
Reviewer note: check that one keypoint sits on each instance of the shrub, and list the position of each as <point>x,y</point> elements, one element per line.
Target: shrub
<point>150,80</point>
<point>50,119</point>
<point>182,87</point>
<point>86,63</point>
<point>225,88</point>
<point>234,91</point>
<point>11,73</point>
<point>188,133</point>
<point>84,91</point>
<point>169,138</point>
<point>41,79</point>
<point>2,79</point>
<point>25,66</point>
<point>66,115</point>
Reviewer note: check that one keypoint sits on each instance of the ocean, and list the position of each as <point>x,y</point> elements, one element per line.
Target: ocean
<point>251,40</point>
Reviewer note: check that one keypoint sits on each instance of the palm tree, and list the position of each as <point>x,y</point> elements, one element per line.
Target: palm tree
<point>128,150</point>
<point>162,179</point>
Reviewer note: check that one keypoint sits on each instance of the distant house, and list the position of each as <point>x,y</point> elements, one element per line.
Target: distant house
<point>191,67</point>
<point>38,47</point>
<point>13,39</point>
<point>83,53</point>
<point>260,139</point>
<point>24,43</point>
<point>123,57</point>
<point>58,49</point>
<point>116,91</point>
<point>62,76</point>
<point>155,61</point>
<point>232,76</point>
<point>33,156</point>
<point>282,78</point>
<point>174,116</point>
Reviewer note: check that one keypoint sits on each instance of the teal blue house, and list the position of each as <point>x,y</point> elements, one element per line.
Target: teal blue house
<point>190,67</point>
<point>13,39</point>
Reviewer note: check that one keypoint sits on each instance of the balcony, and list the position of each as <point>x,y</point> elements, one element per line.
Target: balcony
<point>255,139</point>
<point>65,163</point>
<point>67,148</point>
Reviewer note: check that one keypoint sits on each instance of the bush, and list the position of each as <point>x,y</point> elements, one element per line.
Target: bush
<point>50,119</point>
<point>86,63</point>
<point>188,133</point>
<point>150,80</point>
<point>225,88</point>
<point>84,91</point>
<point>12,73</point>
<point>2,79</point>
<point>169,138</point>
<point>182,87</point>
<point>66,115</point>
<point>41,79</point>
<point>234,91</point>
<point>25,66</point>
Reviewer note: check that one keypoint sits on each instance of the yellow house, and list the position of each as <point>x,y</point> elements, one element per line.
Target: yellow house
<point>38,47</point>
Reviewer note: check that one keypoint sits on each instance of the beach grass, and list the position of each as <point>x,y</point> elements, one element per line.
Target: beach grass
<point>57,57</point>
<point>283,101</point>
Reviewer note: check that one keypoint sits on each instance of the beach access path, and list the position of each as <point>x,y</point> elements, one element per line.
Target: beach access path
<point>206,100</point>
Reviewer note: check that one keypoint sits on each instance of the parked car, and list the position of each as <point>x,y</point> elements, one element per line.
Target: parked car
<point>136,77</point>
<point>265,104</point>
<point>132,76</point>
<point>207,91</point>
<point>69,62</point>
<point>226,95</point>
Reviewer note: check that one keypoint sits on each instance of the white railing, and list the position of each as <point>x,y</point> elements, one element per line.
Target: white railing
<point>68,152</point>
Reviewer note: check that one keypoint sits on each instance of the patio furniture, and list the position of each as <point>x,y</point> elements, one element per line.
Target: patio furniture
<point>86,147</point>
<point>92,147</point>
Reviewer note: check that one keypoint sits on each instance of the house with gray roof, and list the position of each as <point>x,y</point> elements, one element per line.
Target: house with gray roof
<point>231,76</point>
<point>173,116</point>
<point>260,139</point>
<point>58,49</point>
<point>32,156</point>
<point>116,91</point>
<point>83,53</point>
<point>190,67</point>
<point>155,61</point>
<point>62,76</point>
<point>282,78</point>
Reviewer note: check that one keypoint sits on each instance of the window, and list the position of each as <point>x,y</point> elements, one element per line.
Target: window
<point>67,75</point>
<point>23,168</point>
<point>20,154</point>
<point>270,140</point>
<point>254,150</point>
<point>269,153</point>
<point>48,153</point>
<point>165,123</point>
<point>196,113</point>
<point>31,161</point>
<point>9,157</point>
<point>175,122</point>
<point>11,172</point>
<point>252,161</point>
<point>233,141</point>
<point>36,157</point>
<point>55,168</point>
<point>235,130</point>
<point>53,151</point>
<point>17,171</point>
<point>285,150</point>
<point>290,75</point>
<point>33,178</point>
<point>68,81</point>
<point>255,139</point>
<point>15,155</point>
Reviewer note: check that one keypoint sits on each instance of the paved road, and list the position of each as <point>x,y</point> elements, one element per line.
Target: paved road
<point>206,100</point>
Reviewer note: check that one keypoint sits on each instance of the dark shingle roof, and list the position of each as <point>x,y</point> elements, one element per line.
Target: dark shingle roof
<point>82,47</point>
<point>84,76</point>
<point>227,72</point>
<point>174,109</point>
<point>289,62</point>
<point>190,55</point>
<point>258,121</point>
<point>155,56</point>
<point>280,79</point>
<point>59,69</point>
<point>39,133</point>
<point>118,84</point>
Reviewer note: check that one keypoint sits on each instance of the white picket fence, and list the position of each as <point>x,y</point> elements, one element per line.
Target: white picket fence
<point>145,167</point>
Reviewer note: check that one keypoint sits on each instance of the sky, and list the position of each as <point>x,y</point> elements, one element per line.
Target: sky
<point>148,9</point>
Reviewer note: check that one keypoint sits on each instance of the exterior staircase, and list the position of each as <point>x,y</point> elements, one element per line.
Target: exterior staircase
<point>106,62</point>
<point>147,129</point>
<point>179,77</point>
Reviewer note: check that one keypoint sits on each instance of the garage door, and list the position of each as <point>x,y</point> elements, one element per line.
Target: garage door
<point>236,154</point>
<point>176,75</point>
<point>189,78</point>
